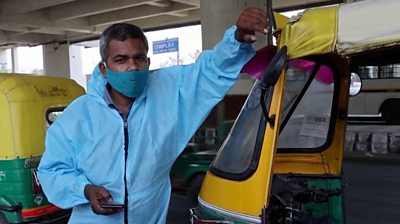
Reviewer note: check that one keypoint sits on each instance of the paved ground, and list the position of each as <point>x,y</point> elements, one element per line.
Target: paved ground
<point>372,194</point>
<point>179,209</point>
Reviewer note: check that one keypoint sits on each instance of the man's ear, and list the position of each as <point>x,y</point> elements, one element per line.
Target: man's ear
<point>148,62</point>
<point>102,68</point>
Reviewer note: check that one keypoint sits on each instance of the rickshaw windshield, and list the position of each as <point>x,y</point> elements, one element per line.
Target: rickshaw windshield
<point>307,106</point>
<point>305,125</point>
<point>243,144</point>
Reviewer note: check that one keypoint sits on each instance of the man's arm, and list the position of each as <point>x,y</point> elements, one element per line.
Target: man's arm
<point>229,55</point>
<point>60,181</point>
<point>233,51</point>
<point>204,84</point>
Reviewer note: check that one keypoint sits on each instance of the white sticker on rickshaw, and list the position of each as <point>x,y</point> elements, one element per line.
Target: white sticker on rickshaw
<point>315,125</point>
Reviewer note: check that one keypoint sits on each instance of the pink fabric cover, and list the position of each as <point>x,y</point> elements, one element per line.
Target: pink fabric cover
<point>257,65</point>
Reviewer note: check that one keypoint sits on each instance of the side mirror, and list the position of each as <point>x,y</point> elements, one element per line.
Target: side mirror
<point>355,84</point>
<point>271,75</point>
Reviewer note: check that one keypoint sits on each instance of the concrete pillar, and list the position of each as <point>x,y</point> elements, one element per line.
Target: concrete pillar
<point>14,60</point>
<point>56,60</point>
<point>216,17</point>
<point>3,60</point>
<point>75,65</point>
<point>64,60</point>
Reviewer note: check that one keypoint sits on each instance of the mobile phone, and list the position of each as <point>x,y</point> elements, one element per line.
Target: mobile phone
<point>111,205</point>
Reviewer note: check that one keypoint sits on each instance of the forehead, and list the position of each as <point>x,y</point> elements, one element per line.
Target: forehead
<point>130,46</point>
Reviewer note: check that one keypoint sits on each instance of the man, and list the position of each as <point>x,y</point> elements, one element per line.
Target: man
<point>117,143</point>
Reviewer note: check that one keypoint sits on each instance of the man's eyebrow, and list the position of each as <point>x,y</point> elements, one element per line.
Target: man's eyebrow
<point>120,56</point>
<point>127,56</point>
<point>139,54</point>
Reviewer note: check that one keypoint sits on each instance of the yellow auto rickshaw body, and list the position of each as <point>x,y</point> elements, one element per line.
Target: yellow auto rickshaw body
<point>29,104</point>
<point>295,170</point>
<point>24,102</point>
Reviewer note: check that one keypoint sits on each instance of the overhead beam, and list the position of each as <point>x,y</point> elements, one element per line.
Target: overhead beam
<point>189,2</point>
<point>20,29</point>
<point>33,38</point>
<point>89,7</point>
<point>179,14</point>
<point>50,31</point>
<point>43,31</point>
<point>15,7</point>
<point>15,28</point>
<point>159,3</point>
<point>162,21</point>
<point>38,20</point>
<point>135,13</point>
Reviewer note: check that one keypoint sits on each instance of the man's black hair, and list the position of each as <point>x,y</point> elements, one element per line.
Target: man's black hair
<point>121,32</point>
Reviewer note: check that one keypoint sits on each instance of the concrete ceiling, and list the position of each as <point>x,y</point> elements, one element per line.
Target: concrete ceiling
<point>35,22</point>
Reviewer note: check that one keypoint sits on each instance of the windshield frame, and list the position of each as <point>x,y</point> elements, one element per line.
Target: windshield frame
<point>257,149</point>
<point>319,61</point>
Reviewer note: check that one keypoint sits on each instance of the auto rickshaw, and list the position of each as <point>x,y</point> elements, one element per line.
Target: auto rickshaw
<point>282,160</point>
<point>29,104</point>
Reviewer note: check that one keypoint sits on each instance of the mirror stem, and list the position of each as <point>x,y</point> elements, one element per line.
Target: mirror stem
<point>270,120</point>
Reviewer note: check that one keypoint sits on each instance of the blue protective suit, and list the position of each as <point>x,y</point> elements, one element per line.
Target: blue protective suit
<point>86,143</point>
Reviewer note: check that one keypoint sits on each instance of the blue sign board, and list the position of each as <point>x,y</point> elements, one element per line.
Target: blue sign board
<point>164,46</point>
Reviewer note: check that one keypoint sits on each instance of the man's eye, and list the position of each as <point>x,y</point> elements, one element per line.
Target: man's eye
<point>141,58</point>
<point>119,60</point>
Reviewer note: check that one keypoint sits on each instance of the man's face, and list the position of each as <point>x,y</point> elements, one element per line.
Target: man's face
<point>126,55</point>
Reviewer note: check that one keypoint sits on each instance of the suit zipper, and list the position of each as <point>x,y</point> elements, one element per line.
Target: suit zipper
<point>126,138</point>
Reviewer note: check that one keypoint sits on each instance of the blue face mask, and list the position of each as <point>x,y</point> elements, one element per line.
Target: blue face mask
<point>129,83</point>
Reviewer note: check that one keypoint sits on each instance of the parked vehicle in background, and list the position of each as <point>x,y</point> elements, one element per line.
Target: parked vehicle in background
<point>282,160</point>
<point>189,169</point>
<point>191,166</point>
<point>380,94</point>
<point>28,106</point>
